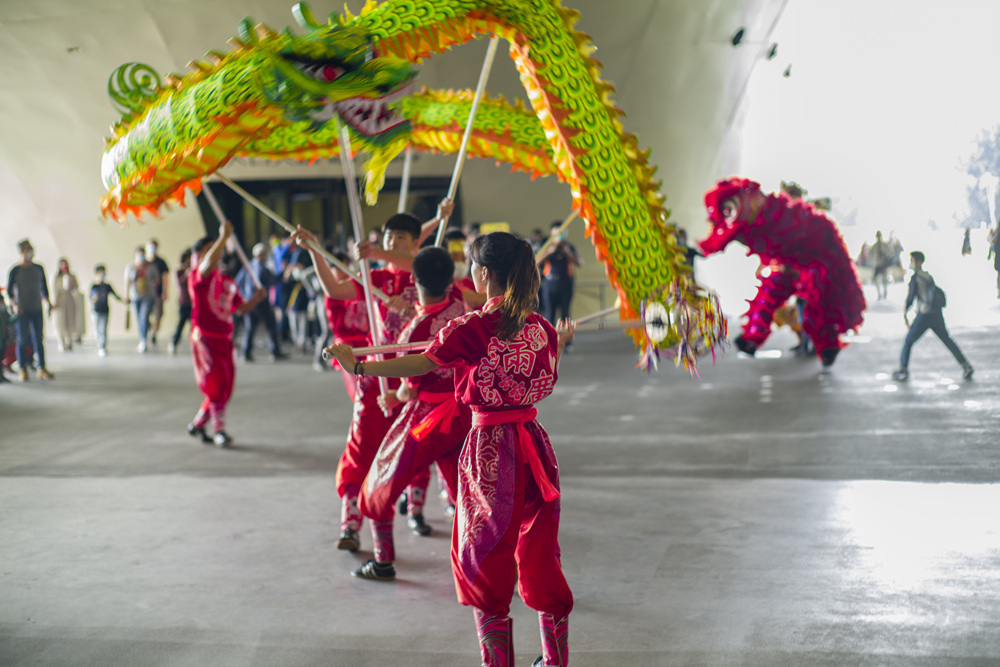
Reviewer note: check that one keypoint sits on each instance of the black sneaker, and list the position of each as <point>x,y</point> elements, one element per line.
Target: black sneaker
<point>418,525</point>
<point>829,355</point>
<point>402,504</point>
<point>745,346</point>
<point>967,372</point>
<point>449,511</point>
<point>221,439</point>
<point>196,431</point>
<point>375,571</point>
<point>349,540</point>
<point>901,375</point>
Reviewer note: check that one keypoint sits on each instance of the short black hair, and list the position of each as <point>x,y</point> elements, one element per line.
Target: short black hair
<point>433,271</point>
<point>186,255</point>
<point>403,222</point>
<point>100,267</point>
<point>917,255</point>
<point>454,234</point>
<point>200,244</point>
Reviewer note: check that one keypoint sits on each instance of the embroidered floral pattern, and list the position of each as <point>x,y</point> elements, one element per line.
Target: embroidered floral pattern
<point>486,476</point>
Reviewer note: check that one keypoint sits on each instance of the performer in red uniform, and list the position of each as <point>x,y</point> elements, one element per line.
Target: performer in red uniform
<point>370,424</point>
<point>505,359</point>
<point>348,324</point>
<point>431,426</point>
<point>214,299</point>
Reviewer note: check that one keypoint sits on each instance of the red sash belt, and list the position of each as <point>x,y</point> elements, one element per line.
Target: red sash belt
<point>524,442</point>
<point>444,414</point>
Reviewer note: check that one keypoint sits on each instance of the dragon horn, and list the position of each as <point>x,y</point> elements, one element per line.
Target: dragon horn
<point>246,31</point>
<point>304,16</point>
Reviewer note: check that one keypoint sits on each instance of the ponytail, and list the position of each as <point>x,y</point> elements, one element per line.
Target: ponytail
<point>511,262</point>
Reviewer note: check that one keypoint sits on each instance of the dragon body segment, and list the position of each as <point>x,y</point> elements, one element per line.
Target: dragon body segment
<point>272,86</point>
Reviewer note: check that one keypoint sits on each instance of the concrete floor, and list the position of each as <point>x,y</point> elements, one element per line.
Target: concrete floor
<point>767,514</point>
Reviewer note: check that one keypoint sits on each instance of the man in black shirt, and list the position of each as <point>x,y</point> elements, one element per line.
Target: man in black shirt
<point>26,289</point>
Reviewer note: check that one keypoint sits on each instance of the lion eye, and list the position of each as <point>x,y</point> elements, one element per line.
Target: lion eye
<point>730,210</point>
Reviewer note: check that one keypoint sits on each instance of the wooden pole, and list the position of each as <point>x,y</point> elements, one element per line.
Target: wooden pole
<point>256,203</point>
<point>491,51</point>
<point>350,181</point>
<point>214,204</point>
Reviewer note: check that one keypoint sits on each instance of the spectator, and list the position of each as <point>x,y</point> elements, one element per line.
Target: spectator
<point>26,290</point>
<point>162,280</point>
<point>262,312</point>
<point>99,293</point>
<point>880,255</point>
<point>994,251</point>
<point>183,299</point>
<point>929,298</point>
<point>140,286</point>
<point>65,289</point>
<point>557,266</point>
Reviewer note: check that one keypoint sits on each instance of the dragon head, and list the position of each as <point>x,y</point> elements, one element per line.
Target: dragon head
<point>335,69</point>
<point>731,205</point>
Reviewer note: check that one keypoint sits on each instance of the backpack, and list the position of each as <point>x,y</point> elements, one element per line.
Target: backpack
<point>938,298</point>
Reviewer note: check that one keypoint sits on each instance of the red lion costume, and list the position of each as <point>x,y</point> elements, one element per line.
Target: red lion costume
<point>807,255</point>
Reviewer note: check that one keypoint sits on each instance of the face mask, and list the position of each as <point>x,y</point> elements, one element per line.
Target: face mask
<point>100,277</point>
<point>29,255</point>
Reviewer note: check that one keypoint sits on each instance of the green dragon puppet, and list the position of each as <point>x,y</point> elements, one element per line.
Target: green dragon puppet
<point>280,95</point>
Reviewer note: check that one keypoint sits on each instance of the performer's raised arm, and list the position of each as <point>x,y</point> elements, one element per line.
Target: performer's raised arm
<point>211,260</point>
<point>333,288</point>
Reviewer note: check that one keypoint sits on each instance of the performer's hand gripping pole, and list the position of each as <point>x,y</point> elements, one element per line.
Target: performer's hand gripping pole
<point>491,51</point>
<point>350,181</point>
<point>256,203</point>
<point>214,204</point>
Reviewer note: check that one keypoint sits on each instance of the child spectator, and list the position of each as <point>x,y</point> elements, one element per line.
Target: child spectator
<point>99,293</point>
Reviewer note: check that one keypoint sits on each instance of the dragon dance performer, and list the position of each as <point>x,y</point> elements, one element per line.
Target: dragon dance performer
<point>369,424</point>
<point>348,323</point>
<point>214,300</point>
<point>505,359</point>
<point>431,427</point>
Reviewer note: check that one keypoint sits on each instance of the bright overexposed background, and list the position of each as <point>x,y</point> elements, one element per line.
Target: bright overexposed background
<point>883,102</point>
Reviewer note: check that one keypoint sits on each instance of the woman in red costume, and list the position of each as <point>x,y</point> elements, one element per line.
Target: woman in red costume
<point>812,260</point>
<point>505,359</point>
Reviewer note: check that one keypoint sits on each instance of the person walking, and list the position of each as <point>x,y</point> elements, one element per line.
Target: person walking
<point>65,287</point>
<point>99,293</point>
<point>930,301</point>
<point>994,251</point>
<point>141,279</point>
<point>262,312</point>
<point>27,291</point>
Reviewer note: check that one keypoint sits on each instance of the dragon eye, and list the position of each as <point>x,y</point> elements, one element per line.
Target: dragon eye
<point>330,73</point>
<point>730,210</point>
